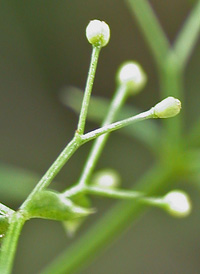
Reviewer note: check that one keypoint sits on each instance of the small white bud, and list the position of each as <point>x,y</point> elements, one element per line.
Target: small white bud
<point>168,107</point>
<point>107,178</point>
<point>98,33</point>
<point>177,203</point>
<point>132,74</point>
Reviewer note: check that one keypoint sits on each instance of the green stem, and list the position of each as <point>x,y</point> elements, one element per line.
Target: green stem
<point>114,193</point>
<point>126,195</point>
<point>88,90</point>
<point>116,104</point>
<point>171,83</point>
<point>117,125</point>
<point>9,245</point>
<point>151,29</point>
<point>55,168</point>
<point>188,36</point>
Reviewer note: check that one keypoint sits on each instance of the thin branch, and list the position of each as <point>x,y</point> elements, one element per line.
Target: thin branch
<point>188,36</point>
<point>88,89</point>
<point>151,29</point>
<point>9,245</point>
<point>117,125</point>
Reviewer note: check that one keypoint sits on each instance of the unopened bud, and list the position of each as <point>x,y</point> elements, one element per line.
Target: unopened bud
<point>131,74</point>
<point>98,33</point>
<point>107,178</point>
<point>168,107</point>
<point>177,203</point>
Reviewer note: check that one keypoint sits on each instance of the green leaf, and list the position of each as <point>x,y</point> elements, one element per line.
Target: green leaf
<point>16,183</point>
<point>54,206</point>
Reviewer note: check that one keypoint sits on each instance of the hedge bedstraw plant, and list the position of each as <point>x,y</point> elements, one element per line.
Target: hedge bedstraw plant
<point>72,206</point>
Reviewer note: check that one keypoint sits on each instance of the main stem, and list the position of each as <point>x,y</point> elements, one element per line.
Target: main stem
<point>9,245</point>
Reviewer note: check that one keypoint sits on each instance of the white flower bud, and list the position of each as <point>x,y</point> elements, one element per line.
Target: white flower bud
<point>107,178</point>
<point>177,203</point>
<point>98,33</point>
<point>132,74</point>
<point>168,107</point>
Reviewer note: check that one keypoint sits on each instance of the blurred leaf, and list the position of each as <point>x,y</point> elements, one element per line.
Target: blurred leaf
<point>16,183</point>
<point>54,206</point>
<point>146,131</point>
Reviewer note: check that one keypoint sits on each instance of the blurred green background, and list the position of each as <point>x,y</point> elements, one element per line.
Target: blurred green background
<point>43,49</point>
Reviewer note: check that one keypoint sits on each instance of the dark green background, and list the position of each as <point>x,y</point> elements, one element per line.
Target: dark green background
<point>42,50</point>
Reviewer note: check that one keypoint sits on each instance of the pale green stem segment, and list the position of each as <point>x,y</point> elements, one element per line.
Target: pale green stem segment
<point>125,195</point>
<point>188,36</point>
<point>116,104</point>
<point>88,89</point>
<point>151,29</point>
<point>9,245</point>
<point>171,84</point>
<point>171,76</point>
<point>119,194</point>
<point>109,128</point>
<point>114,193</point>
